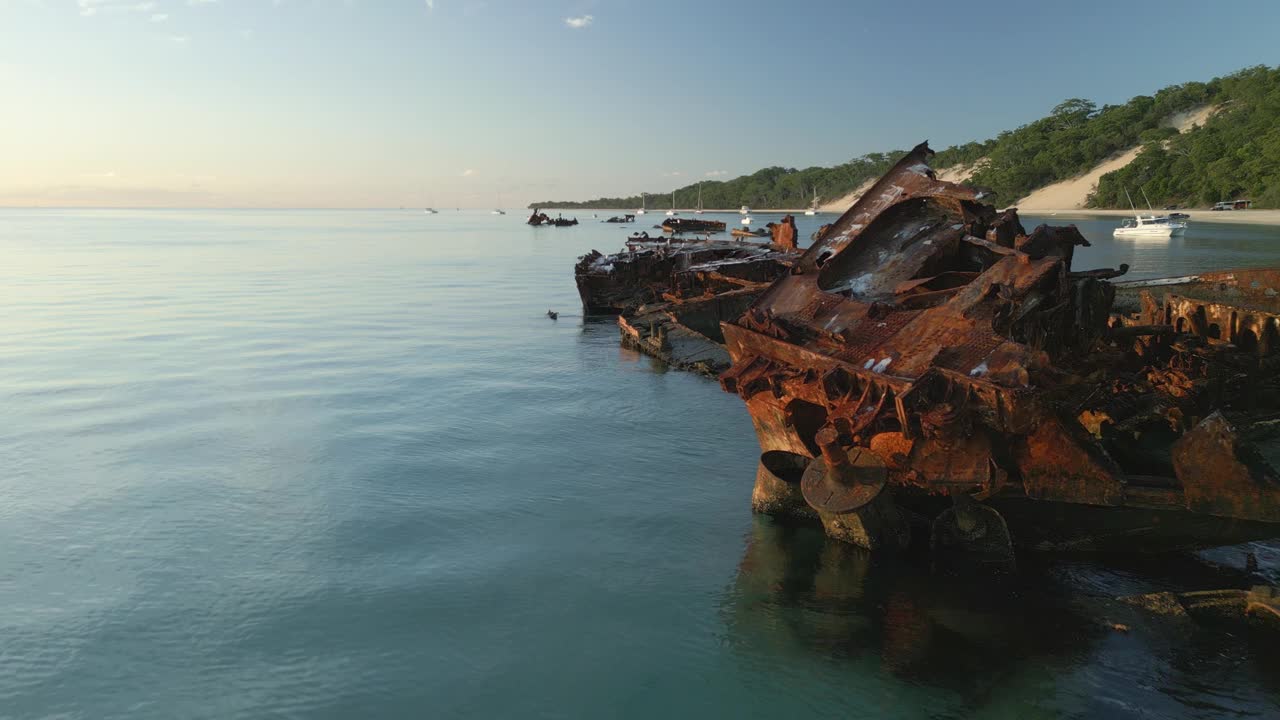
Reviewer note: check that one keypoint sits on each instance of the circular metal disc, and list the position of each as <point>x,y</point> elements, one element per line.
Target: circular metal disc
<point>823,492</point>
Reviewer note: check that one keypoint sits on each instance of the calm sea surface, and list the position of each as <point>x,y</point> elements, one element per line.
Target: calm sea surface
<point>339,464</point>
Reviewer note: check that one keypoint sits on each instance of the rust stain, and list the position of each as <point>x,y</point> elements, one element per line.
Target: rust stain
<point>937,333</point>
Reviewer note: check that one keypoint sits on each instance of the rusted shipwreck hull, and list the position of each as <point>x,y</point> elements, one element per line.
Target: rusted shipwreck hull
<point>930,363</point>
<point>683,225</point>
<point>671,298</point>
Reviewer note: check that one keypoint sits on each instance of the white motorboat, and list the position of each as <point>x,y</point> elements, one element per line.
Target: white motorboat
<point>744,210</point>
<point>498,212</point>
<point>430,211</point>
<point>746,219</point>
<point>1151,226</point>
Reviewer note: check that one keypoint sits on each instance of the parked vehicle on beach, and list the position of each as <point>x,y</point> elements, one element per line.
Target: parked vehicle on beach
<point>1233,205</point>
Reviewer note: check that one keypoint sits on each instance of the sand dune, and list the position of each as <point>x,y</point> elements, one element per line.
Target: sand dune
<point>1064,196</point>
<point>1184,120</point>
<point>1072,194</point>
<point>841,204</point>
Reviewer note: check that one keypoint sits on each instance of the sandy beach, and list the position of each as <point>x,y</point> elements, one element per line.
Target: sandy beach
<point>1240,217</point>
<point>1202,215</point>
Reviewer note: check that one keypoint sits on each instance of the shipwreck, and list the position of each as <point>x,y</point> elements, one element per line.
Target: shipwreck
<point>670,297</point>
<point>928,368</point>
<point>677,225</point>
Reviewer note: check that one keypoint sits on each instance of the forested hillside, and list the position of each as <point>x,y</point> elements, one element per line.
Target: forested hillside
<point>1236,154</point>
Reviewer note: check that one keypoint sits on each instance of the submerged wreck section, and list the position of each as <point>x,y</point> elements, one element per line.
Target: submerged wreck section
<point>676,225</point>
<point>933,364</point>
<point>1260,603</point>
<point>671,298</point>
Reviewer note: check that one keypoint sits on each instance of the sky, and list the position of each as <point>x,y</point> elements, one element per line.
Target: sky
<point>483,103</point>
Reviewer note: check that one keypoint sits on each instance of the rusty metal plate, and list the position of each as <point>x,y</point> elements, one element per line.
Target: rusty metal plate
<point>1221,475</point>
<point>866,479</point>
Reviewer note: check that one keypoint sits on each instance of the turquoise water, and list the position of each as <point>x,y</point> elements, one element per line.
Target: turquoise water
<point>339,464</point>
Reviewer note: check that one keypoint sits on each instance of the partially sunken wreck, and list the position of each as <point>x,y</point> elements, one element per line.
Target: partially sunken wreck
<point>671,297</point>
<point>929,369</point>
<point>929,363</point>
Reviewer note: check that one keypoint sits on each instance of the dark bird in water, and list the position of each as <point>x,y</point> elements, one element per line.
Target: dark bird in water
<point>553,314</point>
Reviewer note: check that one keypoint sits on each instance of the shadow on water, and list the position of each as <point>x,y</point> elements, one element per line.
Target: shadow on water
<point>1051,635</point>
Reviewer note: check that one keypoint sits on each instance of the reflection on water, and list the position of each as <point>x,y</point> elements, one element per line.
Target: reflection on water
<point>1042,639</point>
<point>1206,246</point>
<point>340,464</point>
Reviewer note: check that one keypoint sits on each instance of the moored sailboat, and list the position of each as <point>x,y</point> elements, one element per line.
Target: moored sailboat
<point>1149,225</point>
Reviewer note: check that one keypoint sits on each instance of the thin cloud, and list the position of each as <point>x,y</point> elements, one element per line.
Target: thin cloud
<point>89,8</point>
<point>673,173</point>
<point>431,4</point>
<point>577,23</point>
<point>159,17</point>
<point>468,173</point>
<point>716,173</point>
<point>194,3</point>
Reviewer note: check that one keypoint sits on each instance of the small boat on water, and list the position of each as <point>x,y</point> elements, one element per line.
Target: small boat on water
<point>746,219</point>
<point>641,210</point>
<point>622,219</point>
<point>495,211</point>
<point>813,205</point>
<point>672,211</point>
<point>744,210</point>
<point>430,211</point>
<point>699,210</point>
<point>1150,225</point>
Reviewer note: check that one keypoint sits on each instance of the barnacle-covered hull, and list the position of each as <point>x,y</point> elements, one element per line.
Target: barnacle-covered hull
<point>929,344</point>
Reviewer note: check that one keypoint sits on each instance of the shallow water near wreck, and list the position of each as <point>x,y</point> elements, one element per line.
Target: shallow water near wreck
<point>338,464</point>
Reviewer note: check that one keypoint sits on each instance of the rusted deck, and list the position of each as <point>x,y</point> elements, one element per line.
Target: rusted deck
<point>969,357</point>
